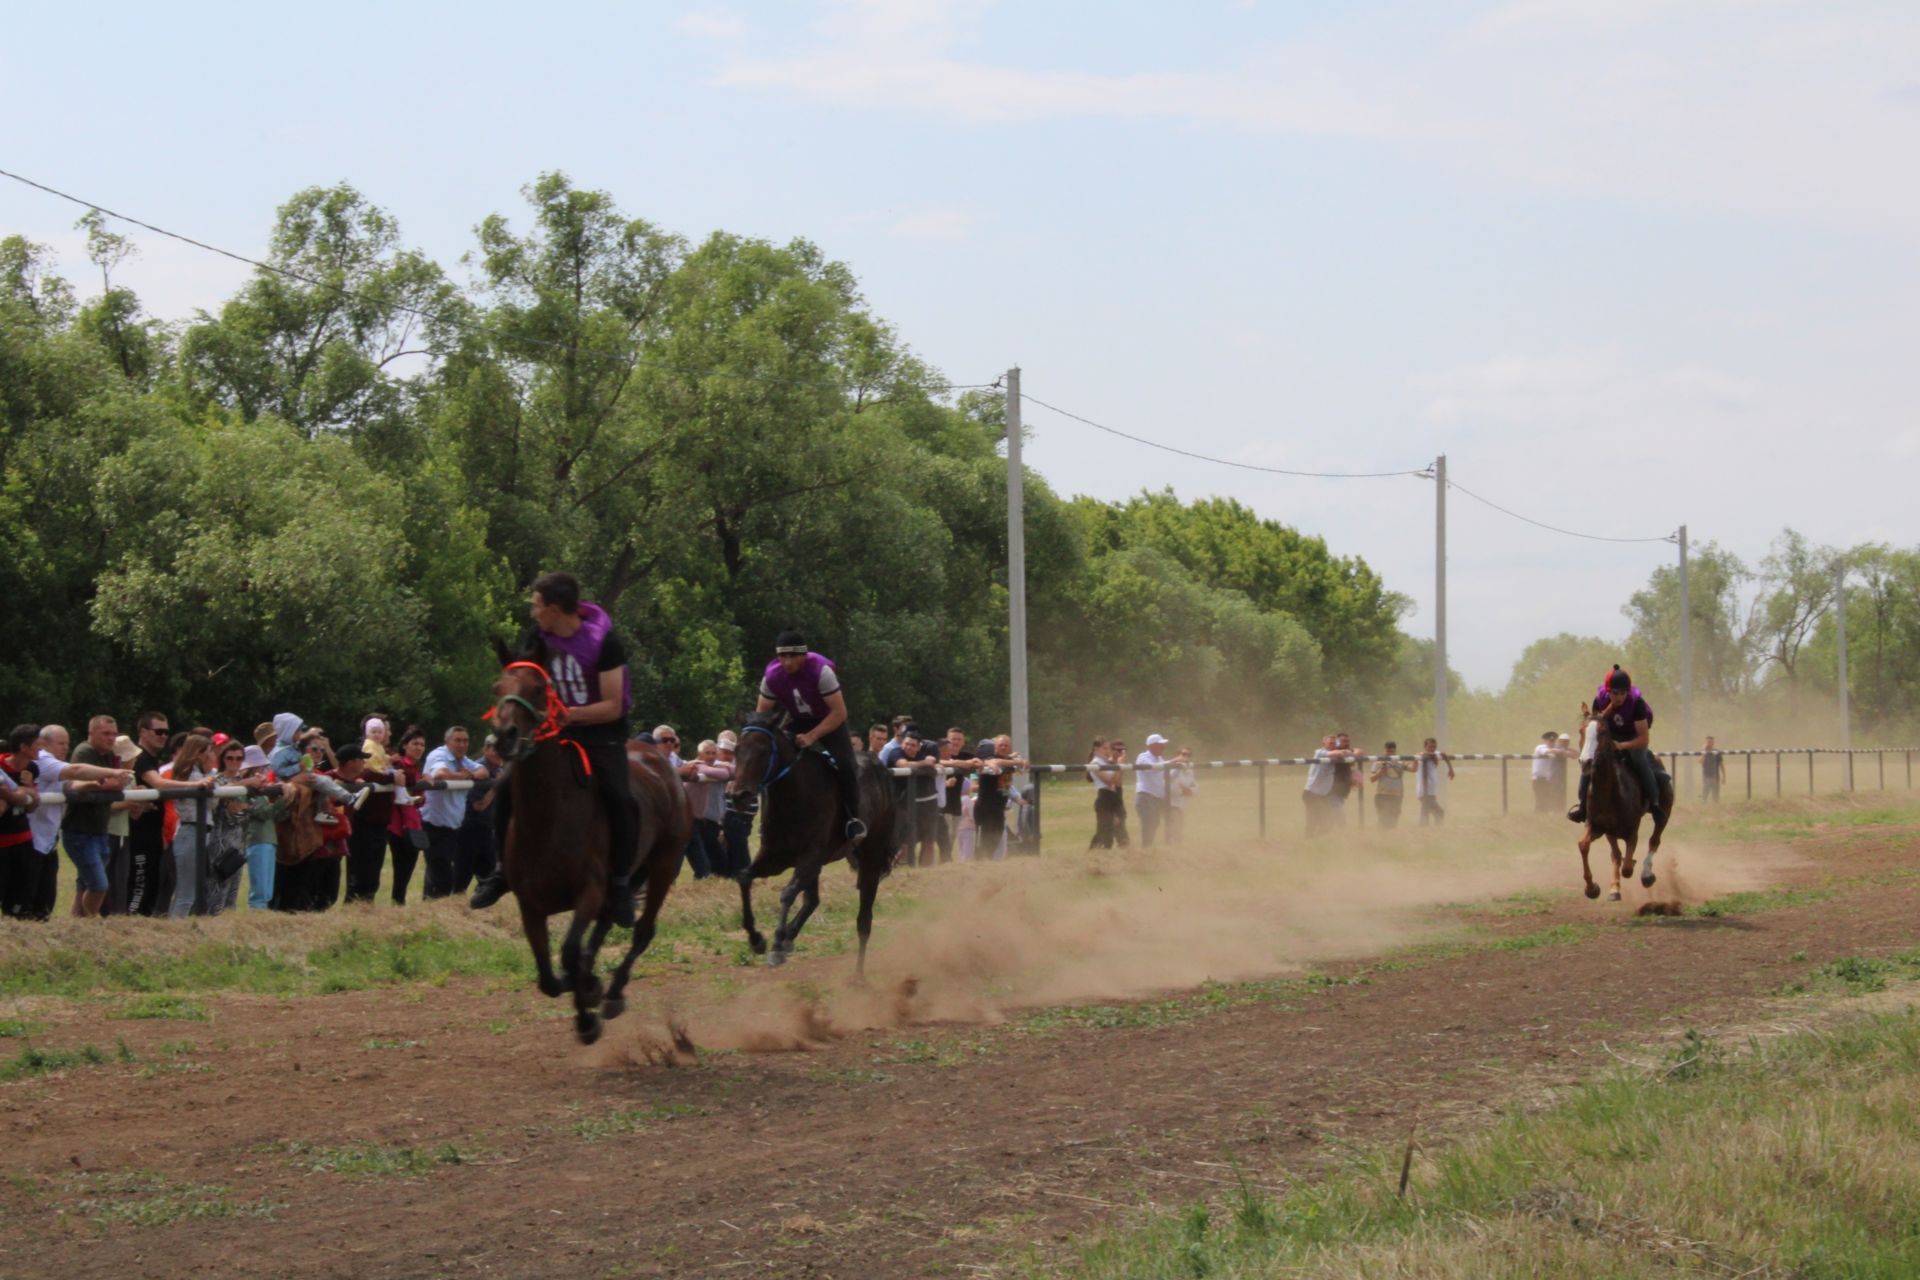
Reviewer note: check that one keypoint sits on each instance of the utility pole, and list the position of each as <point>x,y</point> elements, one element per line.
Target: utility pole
<point>1016,568</point>
<point>1840,636</point>
<point>1440,600</point>
<point>1686,649</point>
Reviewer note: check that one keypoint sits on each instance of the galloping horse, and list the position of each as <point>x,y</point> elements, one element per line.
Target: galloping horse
<point>556,844</point>
<point>1615,806</point>
<point>801,828</point>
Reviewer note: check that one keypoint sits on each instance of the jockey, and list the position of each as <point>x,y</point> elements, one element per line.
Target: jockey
<point>588,672</point>
<point>1626,718</point>
<point>807,686</point>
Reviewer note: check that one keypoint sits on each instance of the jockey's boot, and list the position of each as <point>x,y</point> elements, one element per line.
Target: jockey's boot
<point>856,830</point>
<point>1577,814</point>
<point>491,888</point>
<point>620,899</point>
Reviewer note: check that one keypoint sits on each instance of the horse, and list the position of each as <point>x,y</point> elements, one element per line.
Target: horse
<point>1615,806</point>
<point>555,855</point>
<point>802,828</point>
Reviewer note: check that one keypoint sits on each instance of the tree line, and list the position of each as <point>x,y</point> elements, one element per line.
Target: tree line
<point>332,492</point>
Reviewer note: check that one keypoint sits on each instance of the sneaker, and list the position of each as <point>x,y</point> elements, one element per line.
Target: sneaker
<point>856,830</point>
<point>325,820</point>
<point>489,891</point>
<point>359,798</point>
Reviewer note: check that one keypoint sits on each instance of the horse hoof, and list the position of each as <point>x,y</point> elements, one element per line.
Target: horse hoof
<point>776,958</point>
<point>1614,896</point>
<point>1626,867</point>
<point>612,1007</point>
<point>551,987</point>
<point>1593,890</point>
<point>758,941</point>
<point>587,1026</point>
<point>1646,880</point>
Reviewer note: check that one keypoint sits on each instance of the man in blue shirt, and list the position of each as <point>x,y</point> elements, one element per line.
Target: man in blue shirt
<point>444,810</point>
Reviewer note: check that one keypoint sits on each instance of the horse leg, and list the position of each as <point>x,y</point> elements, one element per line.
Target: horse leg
<point>1613,844</point>
<point>586,987</point>
<point>1626,862</point>
<point>755,939</point>
<point>534,924</point>
<point>1586,869</point>
<point>782,940</point>
<point>809,901</point>
<point>659,881</point>
<point>1646,870</point>
<point>869,886</point>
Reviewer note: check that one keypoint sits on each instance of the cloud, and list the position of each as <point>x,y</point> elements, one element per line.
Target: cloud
<point>1592,391</point>
<point>943,224</point>
<point>712,26</point>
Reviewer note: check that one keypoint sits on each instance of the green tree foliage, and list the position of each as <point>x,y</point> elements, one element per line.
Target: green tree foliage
<point>1722,646</point>
<point>335,491</point>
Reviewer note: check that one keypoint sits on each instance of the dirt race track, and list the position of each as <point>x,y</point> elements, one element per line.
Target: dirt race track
<point>919,1146</point>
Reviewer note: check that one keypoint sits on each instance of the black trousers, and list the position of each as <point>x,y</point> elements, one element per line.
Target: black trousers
<point>1109,819</point>
<point>21,872</point>
<point>736,829</point>
<point>443,850</point>
<point>146,854</point>
<point>366,858</point>
<point>405,857</point>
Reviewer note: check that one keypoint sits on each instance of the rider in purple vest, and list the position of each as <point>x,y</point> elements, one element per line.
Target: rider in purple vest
<point>587,664</point>
<point>1627,719</point>
<point>806,685</point>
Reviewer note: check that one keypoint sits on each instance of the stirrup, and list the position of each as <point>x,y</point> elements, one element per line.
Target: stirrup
<point>492,888</point>
<point>1576,814</point>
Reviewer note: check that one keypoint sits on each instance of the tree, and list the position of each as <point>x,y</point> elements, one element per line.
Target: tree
<point>1797,581</point>
<point>1722,645</point>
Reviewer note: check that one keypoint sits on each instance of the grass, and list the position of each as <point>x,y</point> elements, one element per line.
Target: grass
<point>1751,901</point>
<point>34,1061</point>
<point>18,1028</point>
<point>1793,1156</point>
<point>151,1200</point>
<point>367,1160</point>
<point>627,1120</point>
<point>161,1005</point>
<point>1858,975</point>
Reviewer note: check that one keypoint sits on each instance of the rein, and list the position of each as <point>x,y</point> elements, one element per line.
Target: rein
<point>551,720</point>
<point>773,739</point>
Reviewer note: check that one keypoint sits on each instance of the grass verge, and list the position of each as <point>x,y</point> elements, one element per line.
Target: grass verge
<point>1794,1156</point>
<point>366,1160</point>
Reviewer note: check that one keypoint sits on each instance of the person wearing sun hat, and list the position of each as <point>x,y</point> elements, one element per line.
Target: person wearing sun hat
<point>1150,788</point>
<point>120,817</point>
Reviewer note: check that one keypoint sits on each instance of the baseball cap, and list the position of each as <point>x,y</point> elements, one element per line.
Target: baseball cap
<point>347,753</point>
<point>1155,740</point>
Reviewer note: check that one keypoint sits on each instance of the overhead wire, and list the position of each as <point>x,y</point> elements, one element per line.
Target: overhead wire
<point>443,318</point>
<point>1554,528</point>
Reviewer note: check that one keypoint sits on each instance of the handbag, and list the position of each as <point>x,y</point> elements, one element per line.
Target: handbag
<point>227,863</point>
<point>417,837</point>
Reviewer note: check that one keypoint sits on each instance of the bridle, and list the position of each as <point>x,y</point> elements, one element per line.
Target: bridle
<point>773,740</point>
<point>550,720</point>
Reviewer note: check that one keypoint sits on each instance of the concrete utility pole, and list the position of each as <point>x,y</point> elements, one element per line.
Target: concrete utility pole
<point>1686,649</point>
<point>1016,568</point>
<point>1840,637</point>
<point>1440,600</point>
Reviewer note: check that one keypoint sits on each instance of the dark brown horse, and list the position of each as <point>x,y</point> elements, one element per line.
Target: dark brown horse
<point>802,828</point>
<point>556,843</point>
<point>1615,805</point>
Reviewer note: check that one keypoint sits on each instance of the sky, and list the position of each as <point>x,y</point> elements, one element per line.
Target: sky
<point>1629,264</point>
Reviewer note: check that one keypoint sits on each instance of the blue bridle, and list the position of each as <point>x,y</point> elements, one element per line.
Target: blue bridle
<point>774,739</point>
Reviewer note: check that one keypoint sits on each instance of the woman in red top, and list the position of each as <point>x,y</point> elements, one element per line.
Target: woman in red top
<point>405,836</point>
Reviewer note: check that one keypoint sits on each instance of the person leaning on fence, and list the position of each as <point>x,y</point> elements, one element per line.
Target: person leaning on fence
<point>19,797</point>
<point>367,847</point>
<point>57,775</point>
<point>1548,770</point>
<point>706,789</point>
<point>261,835</point>
<point>1150,788</point>
<point>1426,784</point>
<point>958,766</point>
<point>406,837</point>
<point>148,857</point>
<point>1316,794</point>
<point>1347,775</point>
<point>84,828</point>
<point>446,810</point>
<point>920,813</point>
<point>294,760</point>
<point>1389,786</point>
<point>1181,785</point>
<point>1104,774</point>
<point>1713,771</point>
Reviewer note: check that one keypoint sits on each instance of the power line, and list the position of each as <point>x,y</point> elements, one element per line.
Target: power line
<point>1554,528</point>
<point>1224,462</point>
<point>452,321</point>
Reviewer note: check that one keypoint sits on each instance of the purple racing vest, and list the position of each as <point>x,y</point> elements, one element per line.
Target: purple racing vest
<point>575,660</point>
<point>800,692</point>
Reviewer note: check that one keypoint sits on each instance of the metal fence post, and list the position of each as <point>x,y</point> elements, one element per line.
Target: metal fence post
<point>1849,768</point>
<point>1749,775</point>
<point>1503,786</point>
<point>1038,776</point>
<point>1261,769</point>
<point>1882,756</point>
<point>1809,773</point>
<point>1779,787</point>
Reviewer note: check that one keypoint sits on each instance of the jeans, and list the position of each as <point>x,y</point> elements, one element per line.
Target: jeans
<point>1149,807</point>
<point>261,866</point>
<point>702,854</point>
<point>186,872</point>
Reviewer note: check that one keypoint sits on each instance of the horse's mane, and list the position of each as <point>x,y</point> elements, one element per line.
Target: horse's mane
<point>775,718</point>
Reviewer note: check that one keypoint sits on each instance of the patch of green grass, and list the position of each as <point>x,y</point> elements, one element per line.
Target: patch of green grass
<point>1793,1156</point>
<point>161,1005</point>
<point>631,1120</point>
<point>377,1043</point>
<point>1750,901</point>
<point>1771,823</point>
<point>851,1075</point>
<point>499,1026</point>
<point>150,1200</point>
<point>1859,975</point>
<point>1554,935</point>
<point>19,1028</point>
<point>35,1061</point>
<point>367,1160</point>
<point>354,960</point>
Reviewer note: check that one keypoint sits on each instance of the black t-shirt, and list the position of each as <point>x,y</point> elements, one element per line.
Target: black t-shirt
<point>150,827</point>
<point>613,656</point>
<point>15,829</point>
<point>920,785</point>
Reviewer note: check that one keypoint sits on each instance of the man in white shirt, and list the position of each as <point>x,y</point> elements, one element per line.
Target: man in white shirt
<point>1180,789</point>
<point>1426,782</point>
<point>1150,788</point>
<point>55,773</point>
<point>1549,771</point>
<point>1317,795</point>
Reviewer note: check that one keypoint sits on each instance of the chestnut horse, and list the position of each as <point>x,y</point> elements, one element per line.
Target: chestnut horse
<point>556,842</point>
<point>802,828</point>
<point>1615,806</point>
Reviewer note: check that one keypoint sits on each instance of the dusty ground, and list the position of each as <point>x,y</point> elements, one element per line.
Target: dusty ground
<point>916,1148</point>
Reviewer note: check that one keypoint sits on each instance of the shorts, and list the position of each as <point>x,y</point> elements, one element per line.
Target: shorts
<point>89,853</point>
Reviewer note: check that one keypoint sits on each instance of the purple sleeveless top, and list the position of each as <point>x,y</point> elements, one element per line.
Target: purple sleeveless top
<point>800,692</point>
<point>576,660</point>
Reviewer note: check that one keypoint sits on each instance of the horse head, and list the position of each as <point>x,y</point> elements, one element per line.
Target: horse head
<point>526,710</point>
<point>765,752</point>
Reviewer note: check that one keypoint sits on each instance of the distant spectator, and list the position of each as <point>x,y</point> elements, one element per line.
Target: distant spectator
<point>1426,784</point>
<point>301,757</point>
<point>878,736</point>
<point>1346,776</point>
<point>1389,786</point>
<point>1589,745</point>
<point>120,816</point>
<point>736,822</point>
<point>1549,773</point>
<point>406,837</point>
<point>192,777</point>
<point>1713,772</point>
<point>1105,777</point>
<point>707,797</point>
<point>957,765</point>
<point>991,798</point>
<point>262,836</point>
<point>477,851</point>
<point>920,813</point>
<point>225,855</point>
<point>56,776</point>
<point>1150,788</point>
<point>1316,795</point>
<point>149,860</point>
<point>367,846</point>
<point>445,810</point>
<point>19,863</point>
<point>84,828</point>
<point>1181,784</point>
